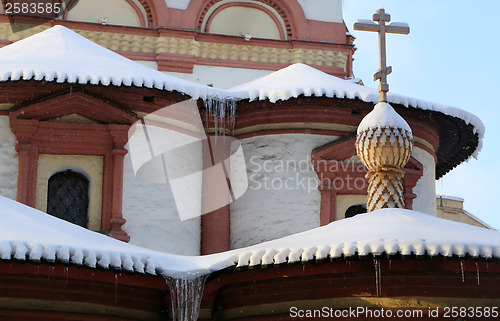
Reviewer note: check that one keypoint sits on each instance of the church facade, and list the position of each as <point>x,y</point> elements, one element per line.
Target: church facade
<point>122,147</point>
<point>299,151</point>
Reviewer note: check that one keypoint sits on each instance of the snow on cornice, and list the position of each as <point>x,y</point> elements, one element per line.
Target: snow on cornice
<point>61,55</point>
<point>27,234</point>
<point>300,79</point>
<point>385,231</point>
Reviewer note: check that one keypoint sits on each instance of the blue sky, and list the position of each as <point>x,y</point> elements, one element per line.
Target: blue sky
<point>450,57</point>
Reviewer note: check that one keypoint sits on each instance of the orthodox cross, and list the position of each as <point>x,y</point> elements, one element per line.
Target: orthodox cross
<point>382,29</point>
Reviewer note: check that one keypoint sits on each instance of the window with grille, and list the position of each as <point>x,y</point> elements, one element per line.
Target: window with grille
<point>68,197</point>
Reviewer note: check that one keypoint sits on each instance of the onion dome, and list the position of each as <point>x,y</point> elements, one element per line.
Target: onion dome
<point>384,143</point>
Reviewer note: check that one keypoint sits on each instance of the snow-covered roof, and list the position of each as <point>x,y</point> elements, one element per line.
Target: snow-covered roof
<point>28,234</point>
<point>61,55</point>
<point>389,231</point>
<point>300,79</point>
<point>31,235</point>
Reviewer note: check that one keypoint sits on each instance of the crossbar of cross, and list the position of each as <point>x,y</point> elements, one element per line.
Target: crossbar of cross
<point>396,27</point>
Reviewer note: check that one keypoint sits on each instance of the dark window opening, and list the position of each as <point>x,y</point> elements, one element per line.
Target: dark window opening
<point>68,197</point>
<point>355,210</point>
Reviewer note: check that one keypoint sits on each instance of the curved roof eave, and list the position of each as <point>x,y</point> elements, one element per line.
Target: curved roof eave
<point>302,80</point>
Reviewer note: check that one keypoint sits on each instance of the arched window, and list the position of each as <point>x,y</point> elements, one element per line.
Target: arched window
<point>355,210</point>
<point>68,197</point>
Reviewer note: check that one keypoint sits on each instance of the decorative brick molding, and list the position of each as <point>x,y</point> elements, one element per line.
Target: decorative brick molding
<point>36,134</point>
<point>179,51</point>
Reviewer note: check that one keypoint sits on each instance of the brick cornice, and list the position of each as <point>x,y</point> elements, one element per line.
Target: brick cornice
<point>199,48</point>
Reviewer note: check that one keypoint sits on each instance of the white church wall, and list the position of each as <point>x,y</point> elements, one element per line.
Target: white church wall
<point>152,218</point>
<point>221,77</point>
<point>425,188</point>
<point>8,159</point>
<point>282,197</point>
<point>150,64</point>
<point>322,10</point>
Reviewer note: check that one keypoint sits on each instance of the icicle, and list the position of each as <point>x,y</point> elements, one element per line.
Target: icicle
<point>66,273</point>
<point>208,107</point>
<point>462,268</point>
<point>477,273</point>
<point>219,111</point>
<point>186,295</point>
<point>232,113</point>
<point>116,288</point>
<point>378,279</point>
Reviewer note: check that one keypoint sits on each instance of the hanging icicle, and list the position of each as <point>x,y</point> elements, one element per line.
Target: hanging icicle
<point>186,295</point>
<point>220,110</point>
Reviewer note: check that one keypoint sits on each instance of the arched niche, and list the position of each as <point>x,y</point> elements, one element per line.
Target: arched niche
<point>134,13</point>
<point>237,18</point>
<point>245,19</point>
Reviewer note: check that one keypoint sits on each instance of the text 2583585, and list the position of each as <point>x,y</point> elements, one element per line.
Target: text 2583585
<point>32,7</point>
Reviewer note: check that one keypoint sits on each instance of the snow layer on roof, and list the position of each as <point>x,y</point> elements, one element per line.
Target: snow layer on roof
<point>383,115</point>
<point>300,79</point>
<point>61,55</point>
<point>390,231</point>
<point>27,234</point>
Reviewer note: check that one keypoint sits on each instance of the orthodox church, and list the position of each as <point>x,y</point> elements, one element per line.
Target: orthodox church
<point>216,169</point>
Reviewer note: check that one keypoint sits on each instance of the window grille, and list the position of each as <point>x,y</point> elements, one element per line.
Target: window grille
<point>68,197</point>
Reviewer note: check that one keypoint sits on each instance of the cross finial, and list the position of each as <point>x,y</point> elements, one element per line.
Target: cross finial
<point>396,27</point>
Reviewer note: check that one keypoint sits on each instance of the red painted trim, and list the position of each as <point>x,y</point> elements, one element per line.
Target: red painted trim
<point>258,65</point>
<point>328,209</point>
<point>425,277</point>
<point>117,220</point>
<point>36,135</point>
<point>215,225</point>
<point>52,284</point>
<point>248,5</point>
<point>138,12</point>
<point>292,131</point>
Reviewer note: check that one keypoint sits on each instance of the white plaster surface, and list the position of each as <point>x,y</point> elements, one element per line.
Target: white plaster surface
<point>152,218</point>
<point>282,197</point>
<point>117,12</point>
<point>221,77</point>
<point>150,64</point>
<point>8,160</point>
<point>425,188</point>
<point>322,10</point>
